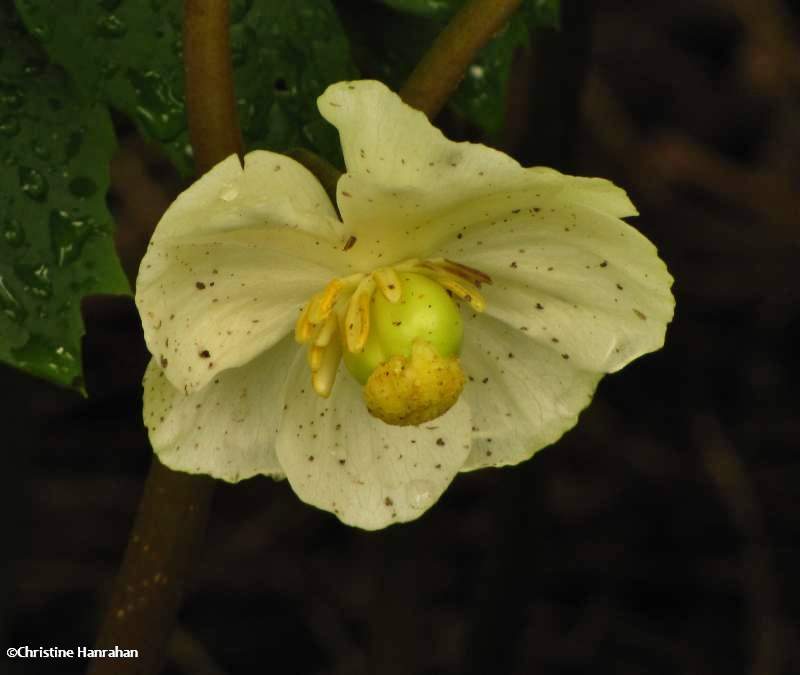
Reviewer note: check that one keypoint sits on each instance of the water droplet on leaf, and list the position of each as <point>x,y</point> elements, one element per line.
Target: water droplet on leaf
<point>10,305</point>
<point>9,126</point>
<point>40,150</point>
<point>160,111</point>
<point>33,183</point>
<point>36,279</point>
<point>13,234</point>
<point>42,357</point>
<point>111,26</point>
<point>11,97</point>
<point>68,234</point>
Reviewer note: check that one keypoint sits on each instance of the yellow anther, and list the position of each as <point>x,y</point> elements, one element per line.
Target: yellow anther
<point>327,331</point>
<point>356,320</point>
<point>314,357</point>
<point>327,301</point>
<point>303,329</point>
<point>464,290</point>
<point>389,283</point>
<point>324,377</point>
<point>464,271</point>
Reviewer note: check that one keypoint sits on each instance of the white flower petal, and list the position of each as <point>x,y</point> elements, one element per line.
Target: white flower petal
<point>582,283</point>
<point>271,189</point>
<point>408,188</point>
<point>228,429</point>
<point>231,262</point>
<point>370,474</point>
<point>523,396</point>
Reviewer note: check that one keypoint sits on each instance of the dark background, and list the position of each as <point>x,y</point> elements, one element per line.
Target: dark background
<point>659,536</point>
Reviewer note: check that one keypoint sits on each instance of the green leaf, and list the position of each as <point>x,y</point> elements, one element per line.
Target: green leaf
<point>56,245</point>
<point>128,53</point>
<point>405,35</point>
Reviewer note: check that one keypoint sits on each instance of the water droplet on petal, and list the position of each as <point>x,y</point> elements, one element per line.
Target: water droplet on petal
<point>229,193</point>
<point>419,493</point>
<point>33,183</point>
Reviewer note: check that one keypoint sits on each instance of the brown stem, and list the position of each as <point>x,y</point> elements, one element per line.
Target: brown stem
<point>325,172</point>
<point>149,587</point>
<point>442,68</point>
<point>210,101</point>
<point>174,508</point>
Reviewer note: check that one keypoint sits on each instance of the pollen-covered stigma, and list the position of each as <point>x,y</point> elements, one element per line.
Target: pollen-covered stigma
<point>399,331</point>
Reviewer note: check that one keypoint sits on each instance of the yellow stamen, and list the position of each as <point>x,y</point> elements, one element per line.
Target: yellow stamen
<point>314,357</point>
<point>356,320</point>
<point>389,283</point>
<point>464,290</point>
<point>324,377</point>
<point>327,331</point>
<point>327,300</point>
<point>303,329</point>
<point>464,271</point>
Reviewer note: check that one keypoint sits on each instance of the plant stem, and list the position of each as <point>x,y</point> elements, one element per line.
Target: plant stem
<point>325,172</point>
<point>149,587</point>
<point>174,508</point>
<point>442,68</point>
<point>210,100</point>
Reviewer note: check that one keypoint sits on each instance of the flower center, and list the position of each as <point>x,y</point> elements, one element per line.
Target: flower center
<point>399,332</point>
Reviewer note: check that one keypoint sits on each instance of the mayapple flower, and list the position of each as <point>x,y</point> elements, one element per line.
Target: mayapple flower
<point>458,314</point>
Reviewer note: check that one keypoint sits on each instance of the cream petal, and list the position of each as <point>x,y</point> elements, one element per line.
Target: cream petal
<point>213,303</point>
<point>230,263</point>
<point>582,283</point>
<point>523,396</point>
<point>228,429</point>
<point>407,187</point>
<point>369,474</point>
<point>271,189</point>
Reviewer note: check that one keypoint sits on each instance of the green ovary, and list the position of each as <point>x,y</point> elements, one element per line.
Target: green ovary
<point>409,365</point>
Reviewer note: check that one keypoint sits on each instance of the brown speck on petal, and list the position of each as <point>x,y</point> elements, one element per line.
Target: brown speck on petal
<point>199,285</point>
<point>640,314</point>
